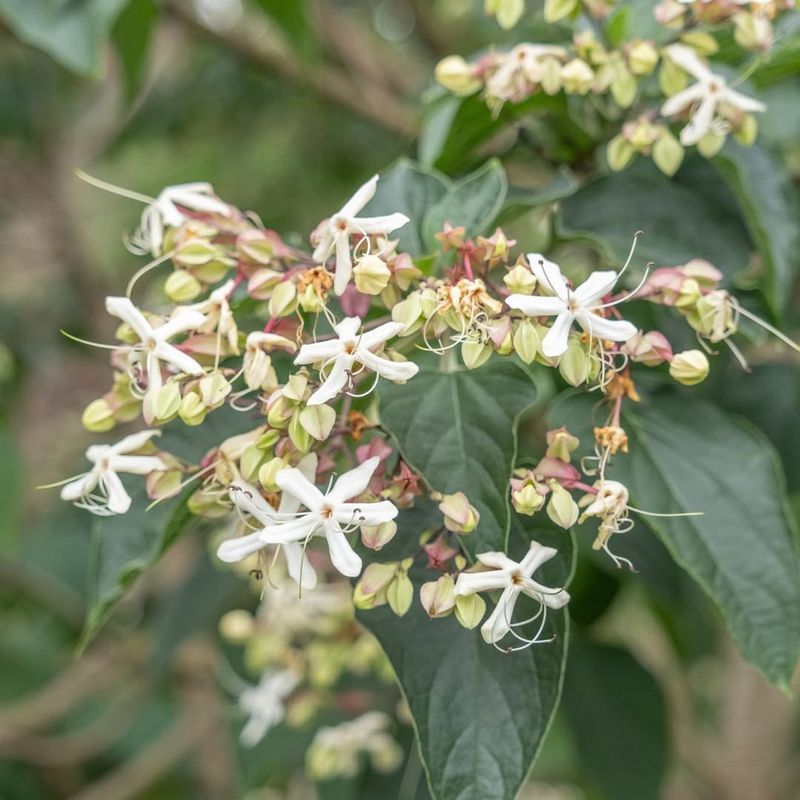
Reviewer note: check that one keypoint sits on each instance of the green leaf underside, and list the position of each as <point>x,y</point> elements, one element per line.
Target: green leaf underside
<point>685,455</point>
<point>480,715</point>
<point>457,429</point>
<point>678,223</point>
<point>769,202</point>
<point>72,33</point>
<point>412,190</point>
<point>474,202</point>
<point>606,688</point>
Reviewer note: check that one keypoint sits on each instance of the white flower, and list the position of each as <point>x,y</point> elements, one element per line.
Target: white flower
<point>265,704</point>
<point>165,212</point>
<point>328,513</point>
<point>155,346</point>
<point>521,70</point>
<point>570,305</point>
<point>513,579</point>
<point>218,315</point>
<point>244,496</point>
<point>704,97</point>
<point>334,233</point>
<point>352,348</point>
<point>108,460</point>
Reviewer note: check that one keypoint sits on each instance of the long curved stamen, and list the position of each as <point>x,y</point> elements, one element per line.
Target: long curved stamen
<point>145,269</point>
<point>110,187</point>
<point>765,325</point>
<point>121,347</point>
<point>630,294</point>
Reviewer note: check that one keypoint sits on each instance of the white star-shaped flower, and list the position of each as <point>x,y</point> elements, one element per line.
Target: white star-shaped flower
<point>333,235</point>
<point>704,97</point>
<point>570,305</point>
<point>330,515</point>
<point>108,460</point>
<point>349,349</point>
<point>265,704</point>
<point>165,211</point>
<point>244,496</point>
<point>154,341</point>
<point>513,579</point>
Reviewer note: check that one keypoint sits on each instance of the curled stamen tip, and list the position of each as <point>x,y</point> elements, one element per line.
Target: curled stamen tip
<point>638,234</point>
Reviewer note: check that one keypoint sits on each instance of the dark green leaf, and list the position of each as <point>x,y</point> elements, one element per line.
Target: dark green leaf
<point>519,200</point>
<point>457,429</point>
<point>131,35</point>
<point>10,485</point>
<point>72,33</point>
<point>616,709</point>
<point>687,456</point>
<point>413,190</point>
<point>474,202</point>
<point>770,205</point>
<point>480,715</point>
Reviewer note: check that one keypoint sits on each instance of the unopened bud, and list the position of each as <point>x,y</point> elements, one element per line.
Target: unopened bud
<point>167,401</point>
<point>268,472</point>
<point>195,253</point>
<point>283,299</point>
<point>400,593</point>
<point>457,76</point>
<point>279,411</point>
<point>527,341</point>
<point>527,500</point>
<point>376,536</point>
<point>576,76</point>
<point>256,245</point>
<point>554,10</point>
<point>507,12</point>
<point>98,416</point>
<point>438,597</point>
<point>371,275</point>
<point>689,294</point>
<point>262,282</point>
<point>562,509</point>
<point>651,348</point>
<point>623,87</point>
<point>711,144</point>
<point>295,388</point>
<point>520,280</point>
<point>561,444</point>
<point>318,421</point>
<point>299,436</point>
<point>704,43</point>
<point>409,313</point>
<point>667,153</point>
<point>642,57</point>
<point>574,365</point>
<point>689,367</point>
<point>236,627</point>
<point>192,410</point>
<point>459,515</point>
<point>619,153</point>
<point>747,131</point>
<point>470,609</point>
<point>309,300</point>
<point>475,354</point>
<point>182,287</point>
<point>214,388</point>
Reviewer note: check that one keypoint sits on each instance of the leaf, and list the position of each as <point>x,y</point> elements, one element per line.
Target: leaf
<point>607,689</point>
<point>413,190</point>
<point>131,35</point>
<point>457,429</point>
<point>10,489</point>
<point>473,202</point>
<point>687,456</point>
<point>680,221</point>
<point>480,715</point>
<point>293,21</point>
<point>519,200</point>
<point>770,204</point>
<point>127,545</point>
<point>71,33</point>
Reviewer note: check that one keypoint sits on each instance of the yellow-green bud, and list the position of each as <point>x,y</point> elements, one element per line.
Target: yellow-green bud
<point>470,609</point>
<point>623,87</point>
<point>475,354</point>
<point>753,31</point>
<point>507,12</point>
<point>98,416</point>
<point>309,300</point>
<point>438,597</point>
<point>575,363</point>
<point>400,593</point>
<point>371,274</point>
<point>577,76</point>
<point>550,75</point>
<point>318,421</point>
<point>527,500</point>
<point>562,509</point>
<point>520,280</point>
<point>689,367</point>
<point>250,461</point>
<point>214,388</point>
<point>642,57</point>
<point>262,283</point>
<point>667,153</point>
<point>459,515</point>
<point>409,313</point>
<point>376,536</point>
<point>748,131</point>
<point>283,299</point>
<point>711,144</point>
<point>236,626</point>
<point>268,472</point>
<point>689,294</point>
<point>527,341</point>
<point>256,246</point>
<point>195,252</point>
<point>167,401</point>
<point>192,410</point>
<point>457,76</point>
<point>619,153</point>
<point>561,444</point>
<point>300,437</point>
<point>295,388</point>
<point>182,287</point>
<point>704,43</point>
<point>554,10</point>
<point>671,78</point>
<point>279,413</point>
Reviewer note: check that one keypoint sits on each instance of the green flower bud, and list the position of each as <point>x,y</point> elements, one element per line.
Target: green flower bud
<point>207,504</point>
<point>250,462</point>
<point>671,78</point>
<point>279,412</point>
<point>459,515</point>
<point>527,500</point>
<point>194,253</point>
<point>192,410</point>
<point>689,367</point>
<point>438,597</point>
<point>182,287</point>
<point>400,593</point>
<point>576,76</point>
<point>236,627</point>
<point>475,354</point>
<point>551,75</point>
<point>213,271</point>
<point>689,294</point>
<point>520,280</point>
<point>262,283</point>
<point>753,31</point>
<point>98,416</point>
<point>309,300</point>
<point>268,472</point>
<point>295,389</point>
<point>527,341</point>
<point>642,57</point>
<point>457,76</point>
<point>371,275</point>
<point>214,388</point>
<point>748,131</point>
<point>470,609</point>
<point>318,421</point>
<point>167,401</point>
<point>376,536</point>
<point>619,153</point>
<point>561,444</point>
<point>508,12</point>
<point>623,88</point>
<point>283,299</point>
<point>704,43</point>
<point>562,509</point>
<point>554,10</point>
<point>300,437</point>
<point>255,244</point>
<point>668,153</point>
<point>409,313</point>
<point>711,144</point>
<point>268,440</point>
<point>575,363</point>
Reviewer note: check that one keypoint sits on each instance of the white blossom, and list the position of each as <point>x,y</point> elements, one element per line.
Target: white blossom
<point>265,704</point>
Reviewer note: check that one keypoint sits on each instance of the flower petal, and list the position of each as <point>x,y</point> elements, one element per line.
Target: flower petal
<point>488,581</point>
<point>183,320</point>
<point>344,264</point>
<point>318,351</point>
<point>369,340</point>
<point>239,548</point>
<point>700,122</point>
<point>536,306</point>
<point>348,328</point>
<point>243,496</point>
<point>552,598</point>
<point>299,486</point>
<point>498,624</point>
<point>119,500</point>
<point>297,530</point>
<point>308,467</point>
<point>556,340</point>
<point>76,489</point>
<point>497,560</point>
<point>548,274</point>
<point>688,60</point>
<point>354,482</point>
<point>391,370</point>
<point>298,566</point>
<point>383,224</point>
<point>170,354</point>
<point>343,557</point>
<point>136,465</point>
<point>615,330</point>
<point>365,513</point>
<point>334,383</point>
<point>742,101</point>
<point>594,287</point>
<point>362,196</point>
<point>536,556</point>
<point>683,99</point>
<point>133,442</point>
<point>124,309</point>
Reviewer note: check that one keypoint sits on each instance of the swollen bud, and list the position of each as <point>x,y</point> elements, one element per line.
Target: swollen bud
<point>574,365</point>
<point>98,416</point>
<point>318,421</point>
<point>561,444</point>
<point>376,536</point>
<point>527,341</point>
<point>470,609</point>
<point>689,367</point>
<point>619,153</point>
<point>520,280</point>
<point>459,515</point>
<point>667,153</point>
<point>554,10</point>
<point>167,401</point>
<point>457,76</point>
<point>562,509</point>
<point>438,597</point>
<point>268,472</point>
<point>475,354</point>
<point>642,57</point>
<point>182,287</point>
<point>400,593</point>
<point>192,410</point>
<point>371,275</point>
<point>527,500</point>
<point>576,76</point>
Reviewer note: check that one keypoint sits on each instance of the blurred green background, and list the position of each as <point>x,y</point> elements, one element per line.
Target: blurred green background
<point>284,107</point>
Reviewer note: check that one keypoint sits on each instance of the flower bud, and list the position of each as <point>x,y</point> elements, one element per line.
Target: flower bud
<point>207,504</point>
<point>475,354</point>
<point>520,280</point>
<point>457,76</point>
<point>671,78</point>
<point>554,10</point>
<point>236,627</point>
<point>268,472</point>
<point>752,31</point>
<point>376,536</point>
<point>711,144</point>
<point>507,12</point>
<point>262,282</point>
<point>623,87</point>
<point>527,500</point>
<point>182,287</point>
<point>195,253</point>
<point>651,348</point>
<point>575,363</point>
<point>98,416</point>
<point>283,299</point>
<point>667,153</point>
<point>470,609</point>
<point>409,313</point>
<point>562,509</point>
<point>459,515</point>
<point>526,341</point>
<point>576,76</point>
<point>689,367</point>
<point>192,410</point>
<point>371,274</point>
<point>642,57</point>
<point>309,300</point>
<point>295,388</point>
<point>400,593</point>
<point>318,421</point>
<point>214,388</point>
<point>371,589</point>
<point>167,401</point>
<point>256,245</point>
<point>561,444</point>
<point>619,153</point>
<point>279,411</point>
<point>704,43</point>
<point>438,597</point>
<point>299,436</point>
<point>250,462</point>
<point>551,75</point>
<point>747,131</point>
<point>160,485</point>
<point>689,294</point>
